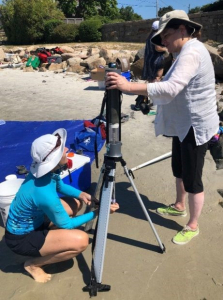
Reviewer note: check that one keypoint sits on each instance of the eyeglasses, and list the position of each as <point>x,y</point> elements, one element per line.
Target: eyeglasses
<point>58,143</point>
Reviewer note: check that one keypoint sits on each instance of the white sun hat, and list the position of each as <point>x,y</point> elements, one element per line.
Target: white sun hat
<point>175,16</point>
<point>47,151</point>
<point>155,25</point>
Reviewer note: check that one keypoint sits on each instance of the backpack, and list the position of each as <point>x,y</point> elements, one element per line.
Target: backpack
<point>57,50</point>
<point>33,61</point>
<point>43,53</point>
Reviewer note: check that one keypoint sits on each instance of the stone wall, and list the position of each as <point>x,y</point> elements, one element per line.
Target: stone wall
<point>138,31</point>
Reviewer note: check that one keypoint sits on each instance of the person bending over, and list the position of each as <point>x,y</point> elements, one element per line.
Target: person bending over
<point>27,233</point>
<point>186,111</point>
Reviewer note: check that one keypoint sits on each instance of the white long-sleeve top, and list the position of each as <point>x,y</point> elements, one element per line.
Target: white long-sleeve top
<point>186,96</point>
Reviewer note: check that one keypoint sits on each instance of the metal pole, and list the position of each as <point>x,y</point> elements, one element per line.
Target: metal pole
<point>157,8</point>
<point>159,158</point>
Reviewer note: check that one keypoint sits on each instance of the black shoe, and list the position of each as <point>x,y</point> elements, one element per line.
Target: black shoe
<point>136,108</point>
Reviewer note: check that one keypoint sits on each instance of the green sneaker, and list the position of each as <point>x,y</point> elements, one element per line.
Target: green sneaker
<point>185,235</point>
<point>171,211</point>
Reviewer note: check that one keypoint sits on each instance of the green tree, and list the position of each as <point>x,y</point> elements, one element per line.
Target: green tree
<point>91,8</point>
<point>68,7</point>
<point>162,11</point>
<point>108,8</point>
<point>195,10</point>
<point>127,13</point>
<point>217,5</point>
<point>86,9</point>
<point>24,20</point>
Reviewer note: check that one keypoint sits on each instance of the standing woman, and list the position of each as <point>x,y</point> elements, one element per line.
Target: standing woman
<point>186,111</point>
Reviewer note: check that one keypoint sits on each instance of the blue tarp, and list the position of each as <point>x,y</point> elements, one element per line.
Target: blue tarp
<point>16,138</point>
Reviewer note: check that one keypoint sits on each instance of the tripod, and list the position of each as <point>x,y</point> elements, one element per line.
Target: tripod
<point>107,192</point>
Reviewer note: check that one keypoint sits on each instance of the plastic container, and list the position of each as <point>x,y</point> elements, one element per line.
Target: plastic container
<point>101,85</point>
<point>127,75</point>
<point>8,190</point>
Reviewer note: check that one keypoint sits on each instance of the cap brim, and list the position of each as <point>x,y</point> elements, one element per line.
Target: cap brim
<point>156,39</point>
<point>41,169</point>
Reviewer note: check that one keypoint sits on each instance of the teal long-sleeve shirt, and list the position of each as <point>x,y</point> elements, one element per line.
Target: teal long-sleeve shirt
<point>38,197</point>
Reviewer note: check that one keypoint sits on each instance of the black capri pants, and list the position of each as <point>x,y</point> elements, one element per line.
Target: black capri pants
<point>188,162</point>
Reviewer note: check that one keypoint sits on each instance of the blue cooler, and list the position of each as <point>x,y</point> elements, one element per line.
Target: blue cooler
<point>127,75</point>
<point>80,173</point>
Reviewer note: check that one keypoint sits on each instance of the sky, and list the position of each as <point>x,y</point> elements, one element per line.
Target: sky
<point>147,8</point>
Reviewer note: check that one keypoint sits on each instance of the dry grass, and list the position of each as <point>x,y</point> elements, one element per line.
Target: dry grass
<point>108,45</point>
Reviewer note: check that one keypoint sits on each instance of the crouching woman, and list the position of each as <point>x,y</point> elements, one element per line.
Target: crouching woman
<point>27,233</point>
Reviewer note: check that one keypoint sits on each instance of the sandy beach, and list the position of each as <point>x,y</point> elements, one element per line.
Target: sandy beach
<point>134,266</point>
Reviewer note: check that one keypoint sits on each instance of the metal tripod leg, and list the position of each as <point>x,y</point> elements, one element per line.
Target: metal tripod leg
<point>143,207</point>
<point>103,220</point>
<point>89,225</point>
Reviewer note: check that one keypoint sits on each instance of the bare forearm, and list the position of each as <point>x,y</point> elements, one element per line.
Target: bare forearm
<point>138,88</point>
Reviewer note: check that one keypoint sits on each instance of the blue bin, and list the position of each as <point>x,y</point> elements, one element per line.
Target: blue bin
<point>127,75</point>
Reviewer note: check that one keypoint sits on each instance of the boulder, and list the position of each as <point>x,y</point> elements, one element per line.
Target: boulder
<point>92,51</point>
<point>109,55</point>
<point>91,60</point>
<point>66,56</point>
<point>76,69</point>
<point>67,49</point>
<point>28,69</point>
<point>74,61</point>
<point>137,67</point>
<point>2,54</point>
<point>54,67</point>
<point>140,54</point>
<point>217,61</point>
<point>96,63</point>
<point>42,69</point>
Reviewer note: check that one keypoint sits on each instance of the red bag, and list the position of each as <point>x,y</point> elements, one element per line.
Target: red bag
<point>43,56</point>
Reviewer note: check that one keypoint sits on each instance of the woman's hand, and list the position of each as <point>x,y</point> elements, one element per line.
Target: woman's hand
<point>86,198</point>
<point>113,207</point>
<point>115,81</point>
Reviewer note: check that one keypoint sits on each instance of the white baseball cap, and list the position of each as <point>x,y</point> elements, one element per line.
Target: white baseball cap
<point>155,25</point>
<point>47,151</point>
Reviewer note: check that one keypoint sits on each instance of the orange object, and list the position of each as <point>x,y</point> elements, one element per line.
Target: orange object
<point>70,154</point>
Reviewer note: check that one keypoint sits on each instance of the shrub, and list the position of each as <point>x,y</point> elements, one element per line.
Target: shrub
<point>49,27</point>
<point>89,30</point>
<point>64,33</point>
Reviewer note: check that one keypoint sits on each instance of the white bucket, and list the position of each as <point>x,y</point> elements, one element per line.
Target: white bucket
<point>8,189</point>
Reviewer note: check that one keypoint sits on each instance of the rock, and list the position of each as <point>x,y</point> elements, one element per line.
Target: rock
<point>54,67</point>
<point>42,69</point>
<point>74,61</point>
<point>28,69</point>
<point>217,61</point>
<point>76,69</point>
<point>66,56</point>
<point>96,63</point>
<point>109,55</point>
<point>2,54</point>
<point>220,50</point>
<point>140,54</point>
<point>93,51</point>
<point>137,67</point>
<point>67,49</point>
<point>93,62</point>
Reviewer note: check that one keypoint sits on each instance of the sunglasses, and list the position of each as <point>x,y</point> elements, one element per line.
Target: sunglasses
<point>58,144</point>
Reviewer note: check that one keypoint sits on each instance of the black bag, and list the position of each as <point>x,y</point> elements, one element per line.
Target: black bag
<point>216,150</point>
<point>54,59</point>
